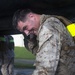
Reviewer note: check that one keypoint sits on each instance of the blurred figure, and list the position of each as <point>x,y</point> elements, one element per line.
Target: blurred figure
<point>7,54</point>
<point>3,48</point>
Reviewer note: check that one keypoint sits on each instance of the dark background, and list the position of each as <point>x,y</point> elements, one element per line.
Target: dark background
<point>56,7</point>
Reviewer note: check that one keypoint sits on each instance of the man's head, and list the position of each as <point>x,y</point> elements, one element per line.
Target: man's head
<point>26,21</point>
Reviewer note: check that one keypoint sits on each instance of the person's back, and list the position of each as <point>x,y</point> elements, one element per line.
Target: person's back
<point>66,64</point>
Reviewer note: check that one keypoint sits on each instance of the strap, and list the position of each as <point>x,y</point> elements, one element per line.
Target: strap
<point>64,20</point>
<point>71,28</point>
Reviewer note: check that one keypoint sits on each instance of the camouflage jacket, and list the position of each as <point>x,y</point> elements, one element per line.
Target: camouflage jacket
<point>51,56</point>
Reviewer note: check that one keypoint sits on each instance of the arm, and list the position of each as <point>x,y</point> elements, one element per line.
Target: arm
<point>48,55</point>
<point>31,43</point>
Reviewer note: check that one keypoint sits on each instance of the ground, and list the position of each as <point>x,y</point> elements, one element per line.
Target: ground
<point>23,71</point>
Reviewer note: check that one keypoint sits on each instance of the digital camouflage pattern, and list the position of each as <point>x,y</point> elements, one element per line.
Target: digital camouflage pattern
<point>31,43</point>
<point>51,56</point>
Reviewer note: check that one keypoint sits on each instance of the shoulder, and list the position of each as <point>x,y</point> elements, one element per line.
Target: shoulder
<point>50,22</point>
<point>48,18</point>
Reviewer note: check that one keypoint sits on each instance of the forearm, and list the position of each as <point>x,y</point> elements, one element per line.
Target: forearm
<point>46,60</point>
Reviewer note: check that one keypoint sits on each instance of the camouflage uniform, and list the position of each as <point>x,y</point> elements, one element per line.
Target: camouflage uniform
<point>52,58</point>
<point>7,57</point>
<point>31,44</point>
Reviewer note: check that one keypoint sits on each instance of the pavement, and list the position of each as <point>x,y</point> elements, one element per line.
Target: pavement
<point>20,71</point>
<point>24,61</point>
<point>23,71</point>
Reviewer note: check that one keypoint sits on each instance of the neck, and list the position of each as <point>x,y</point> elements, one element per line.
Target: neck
<point>38,20</point>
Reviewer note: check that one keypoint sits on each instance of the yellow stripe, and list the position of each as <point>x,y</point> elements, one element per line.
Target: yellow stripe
<point>71,29</point>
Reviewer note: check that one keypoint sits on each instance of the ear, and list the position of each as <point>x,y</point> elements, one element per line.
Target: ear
<point>30,15</point>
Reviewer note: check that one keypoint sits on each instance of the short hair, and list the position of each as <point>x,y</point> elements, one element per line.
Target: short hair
<point>20,15</point>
